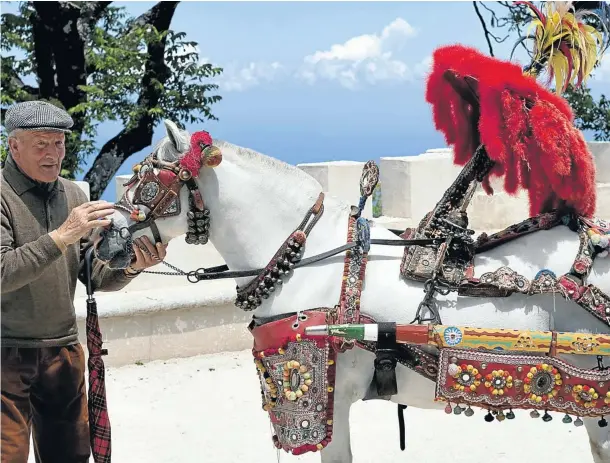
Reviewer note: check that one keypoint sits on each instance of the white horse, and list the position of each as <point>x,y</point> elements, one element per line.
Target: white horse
<point>256,202</point>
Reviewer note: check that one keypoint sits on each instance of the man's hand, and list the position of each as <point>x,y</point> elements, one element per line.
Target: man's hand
<point>83,219</point>
<point>152,256</point>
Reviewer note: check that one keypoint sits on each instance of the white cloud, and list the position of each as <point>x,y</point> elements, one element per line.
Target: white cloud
<point>236,79</point>
<point>423,68</point>
<point>368,57</point>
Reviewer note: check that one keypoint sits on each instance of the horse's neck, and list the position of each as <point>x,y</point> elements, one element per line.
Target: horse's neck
<point>253,212</point>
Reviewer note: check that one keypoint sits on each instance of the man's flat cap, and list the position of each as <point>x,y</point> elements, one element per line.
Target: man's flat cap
<point>37,115</point>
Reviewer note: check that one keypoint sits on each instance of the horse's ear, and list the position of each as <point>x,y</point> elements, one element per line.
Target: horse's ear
<point>175,136</point>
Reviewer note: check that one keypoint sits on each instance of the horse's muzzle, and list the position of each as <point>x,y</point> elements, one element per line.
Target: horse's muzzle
<point>115,246</point>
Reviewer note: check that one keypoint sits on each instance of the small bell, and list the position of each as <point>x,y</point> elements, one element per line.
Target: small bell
<point>578,422</point>
<point>602,423</point>
<point>534,414</point>
<point>457,410</point>
<point>448,409</point>
<point>469,411</point>
<point>567,419</point>
<point>500,416</point>
<point>489,417</point>
<point>510,415</point>
<point>546,417</point>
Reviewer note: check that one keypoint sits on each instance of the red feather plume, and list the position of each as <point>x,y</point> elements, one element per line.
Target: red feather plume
<point>527,130</point>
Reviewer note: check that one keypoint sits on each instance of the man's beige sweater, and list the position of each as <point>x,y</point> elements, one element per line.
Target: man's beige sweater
<point>39,277</point>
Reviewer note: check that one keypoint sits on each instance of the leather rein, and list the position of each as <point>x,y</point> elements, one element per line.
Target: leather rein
<point>160,194</point>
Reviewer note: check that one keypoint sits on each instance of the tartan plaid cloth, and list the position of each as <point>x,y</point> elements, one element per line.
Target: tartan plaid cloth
<point>99,422</point>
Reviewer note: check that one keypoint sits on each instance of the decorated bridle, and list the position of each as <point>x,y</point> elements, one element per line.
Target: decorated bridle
<point>156,185</point>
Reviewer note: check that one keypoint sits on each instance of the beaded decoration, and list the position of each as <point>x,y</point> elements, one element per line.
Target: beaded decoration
<point>499,382</point>
<point>281,266</point>
<point>297,388</point>
<point>599,234</point>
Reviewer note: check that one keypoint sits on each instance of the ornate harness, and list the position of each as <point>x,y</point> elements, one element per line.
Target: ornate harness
<point>159,192</point>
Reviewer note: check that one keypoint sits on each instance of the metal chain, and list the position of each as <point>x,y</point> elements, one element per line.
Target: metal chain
<point>431,286</point>
<point>177,272</point>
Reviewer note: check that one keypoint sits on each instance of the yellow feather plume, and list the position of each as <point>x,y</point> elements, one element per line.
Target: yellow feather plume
<point>563,44</point>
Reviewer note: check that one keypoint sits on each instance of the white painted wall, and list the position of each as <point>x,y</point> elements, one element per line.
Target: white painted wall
<point>341,179</point>
<point>85,187</point>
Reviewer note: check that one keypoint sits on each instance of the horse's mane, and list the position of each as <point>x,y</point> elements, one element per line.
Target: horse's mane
<point>266,163</point>
<point>165,149</point>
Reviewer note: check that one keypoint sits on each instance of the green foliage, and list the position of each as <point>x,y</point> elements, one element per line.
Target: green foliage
<point>117,48</point>
<point>3,146</point>
<point>590,114</point>
<point>376,198</point>
<point>509,20</point>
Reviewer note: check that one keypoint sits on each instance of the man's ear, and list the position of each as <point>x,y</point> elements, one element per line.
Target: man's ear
<point>13,145</point>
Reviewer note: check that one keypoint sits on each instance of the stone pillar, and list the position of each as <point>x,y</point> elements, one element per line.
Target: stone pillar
<point>119,181</point>
<point>85,187</point>
<point>340,179</point>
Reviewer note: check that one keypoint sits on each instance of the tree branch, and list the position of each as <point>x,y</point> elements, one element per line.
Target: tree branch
<point>96,10</point>
<point>487,33</point>
<point>139,134</point>
<point>91,12</point>
<point>12,83</point>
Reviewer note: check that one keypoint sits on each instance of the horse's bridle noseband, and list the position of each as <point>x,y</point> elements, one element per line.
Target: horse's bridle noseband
<point>159,191</point>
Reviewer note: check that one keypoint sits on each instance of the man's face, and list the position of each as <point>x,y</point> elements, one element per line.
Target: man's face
<point>39,154</point>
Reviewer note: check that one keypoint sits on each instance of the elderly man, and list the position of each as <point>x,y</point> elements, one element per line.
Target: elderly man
<point>45,229</point>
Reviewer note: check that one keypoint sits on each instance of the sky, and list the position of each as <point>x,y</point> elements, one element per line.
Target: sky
<point>322,81</point>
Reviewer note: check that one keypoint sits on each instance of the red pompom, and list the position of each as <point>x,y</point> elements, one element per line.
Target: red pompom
<point>192,161</point>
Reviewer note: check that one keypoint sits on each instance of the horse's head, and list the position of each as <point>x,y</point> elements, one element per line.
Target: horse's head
<point>162,199</point>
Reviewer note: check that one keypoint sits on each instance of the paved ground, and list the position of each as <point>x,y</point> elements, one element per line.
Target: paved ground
<point>207,409</point>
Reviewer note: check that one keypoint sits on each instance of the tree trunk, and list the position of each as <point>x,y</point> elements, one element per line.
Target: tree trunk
<point>127,142</point>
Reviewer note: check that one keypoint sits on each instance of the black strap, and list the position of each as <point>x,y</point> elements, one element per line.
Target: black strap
<point>88,269</point>
<point>215,273</point>
<point>401,425</point>
<point>385,360</point>
<point>155,232</point>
